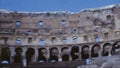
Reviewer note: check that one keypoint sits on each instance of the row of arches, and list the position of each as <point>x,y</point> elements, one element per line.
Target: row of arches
<point>74,53</point>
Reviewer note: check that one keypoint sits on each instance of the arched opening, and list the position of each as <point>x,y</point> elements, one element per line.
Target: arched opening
<point>115,48</point>
<point>95,50</point>
<point>18,55</point>
<point>64,49</point>
<point>54,54</point>
<point>85,52</point>
<point>29,54</point>
<point>5,55</point>
<point>106,49</point>
<point>41,55</point>
<point>75,52</point>
<point>65,57</point>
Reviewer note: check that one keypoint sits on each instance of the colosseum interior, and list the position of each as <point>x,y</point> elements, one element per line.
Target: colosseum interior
<point>59,39</point>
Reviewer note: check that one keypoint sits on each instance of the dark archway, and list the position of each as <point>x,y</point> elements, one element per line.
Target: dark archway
<point>95,50</point>
<point>85,52</point>
<point>106,48</point>
<point>54,54</point>
<point>64,48</point>
<point>75,52</point>
<point>5,54</point>
<point>29,54</point>
<point>18,55</point>
<point>115,48</point>
<point>41,56</point>
<point>65,57</point>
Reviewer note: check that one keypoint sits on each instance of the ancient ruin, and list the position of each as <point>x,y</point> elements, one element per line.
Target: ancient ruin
<point>60,38</point>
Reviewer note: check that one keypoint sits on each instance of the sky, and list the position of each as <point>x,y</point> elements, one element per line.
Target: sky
<point>54,5</point>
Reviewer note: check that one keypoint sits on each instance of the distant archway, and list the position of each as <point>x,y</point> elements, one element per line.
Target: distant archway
<point>54,54</point>
<point>95,50</point>
<point>64,49</point>
<point>41,56</point>
<point>106,49</point>
<point>5,54</point>
<point>75,52</point>
<point>29,54</point>
<point>18,55</point>
<point>85,52</point>
<point>65,56</point>
<point>115,48</point>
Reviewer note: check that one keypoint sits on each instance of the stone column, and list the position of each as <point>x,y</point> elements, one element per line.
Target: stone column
<point>80,53</point>
<point>36,54</point>
<point>59,55</point>
<point>24,49</point>
<point>88,61</point>
<point>90,49</point>
<point>101,51</point>
<point>70,57</point>
<point>12,49</point>
<point>48,53</point>
<point>110,47</point>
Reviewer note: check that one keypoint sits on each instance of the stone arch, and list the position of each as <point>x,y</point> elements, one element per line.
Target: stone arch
<point>18,56</point>
<point>95,50</point>
<point>115,48</point>
<point>41,55</point>
<point>64,48</point>
<point>29,54</point>
<point>85,52</point>
<point>5,54</point>
<point>54,54</point>
<point>75,52</point>
<point>65,55</point>
<point>106,49</point>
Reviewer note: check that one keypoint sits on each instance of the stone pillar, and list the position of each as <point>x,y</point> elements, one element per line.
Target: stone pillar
<point>70,57</point>
<point>48,53</point>
<point>59,55</point>
<point>110,48</point>
<point>12,51</point>
<point>90,49</point>
<point>80,53</point>
<point>24,49</point>
<point>101,50</point>
<point>36,54</point>
<point>88,61</point>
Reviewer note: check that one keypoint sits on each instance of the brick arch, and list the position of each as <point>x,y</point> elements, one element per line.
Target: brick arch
<point>54,54</point>
<point>115,48</point>
<point>74,52</point>
<point>5,54</point>
<point>41,56</point>
<point>63,48</point>
<point>85,52</point>
<point>29,54</point>
<point>18,56</point>
<point>65,56</point>
<point>95,49</point>
<point>106,48</point>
